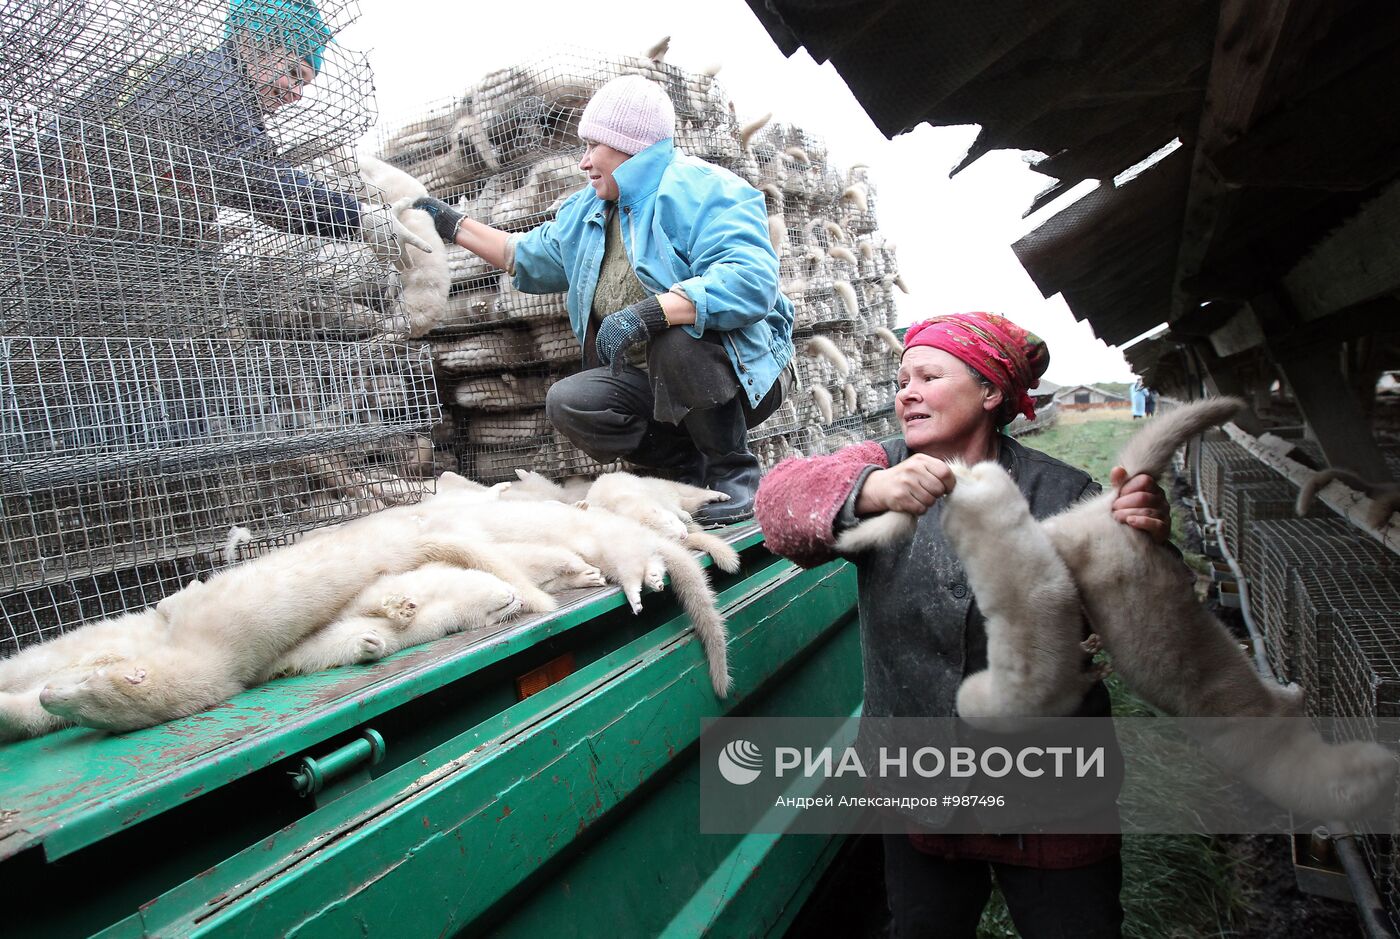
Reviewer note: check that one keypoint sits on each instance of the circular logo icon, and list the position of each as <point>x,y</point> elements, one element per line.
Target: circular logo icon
<point>740,762</point>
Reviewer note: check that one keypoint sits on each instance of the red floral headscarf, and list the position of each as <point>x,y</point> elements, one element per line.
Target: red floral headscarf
<point>1008,356</point>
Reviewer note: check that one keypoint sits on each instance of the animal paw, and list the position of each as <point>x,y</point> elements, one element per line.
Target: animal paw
<point>589,577</point>
<point>655,574</point>
<point>398,608</point>
<point>370,647</point>
<point>1093,645</point>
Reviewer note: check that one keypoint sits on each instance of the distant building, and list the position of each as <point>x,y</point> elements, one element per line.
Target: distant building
<point>1087,397</point>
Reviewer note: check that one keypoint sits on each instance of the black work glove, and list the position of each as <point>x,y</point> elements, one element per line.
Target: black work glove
<point>628,326</point>
<point>445,218</point>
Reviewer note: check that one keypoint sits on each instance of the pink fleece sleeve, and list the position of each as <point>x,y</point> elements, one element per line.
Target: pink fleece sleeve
<point>799,499</point>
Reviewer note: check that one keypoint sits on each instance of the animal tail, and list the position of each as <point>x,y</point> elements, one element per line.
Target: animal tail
<point>856,195</point>
<point>723,553</point>
<point>1319,480</point>
<point>777,232</point>
<point>825,406</point>
<point>748,130</point>
<point>1150,451</point>
<point>847,293</point>
<point>842,253</point>
<point>1385,497</point>
<point>877,532</point>
<point>890,340</point>
<point>698,600</point>
<point>852,397</point>
<point>237,537</point>
<point>821,346</point>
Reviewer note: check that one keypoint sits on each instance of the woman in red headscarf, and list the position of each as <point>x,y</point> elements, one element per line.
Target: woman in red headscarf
<point>961,379</point>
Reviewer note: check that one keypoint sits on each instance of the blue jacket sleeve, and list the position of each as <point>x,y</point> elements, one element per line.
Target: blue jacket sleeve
<point>538,261</point>
<point>734,268</point>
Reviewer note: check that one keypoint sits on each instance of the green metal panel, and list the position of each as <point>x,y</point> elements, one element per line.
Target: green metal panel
<point>651,873</point>
<point>466,830</point>
<point>71,789</point>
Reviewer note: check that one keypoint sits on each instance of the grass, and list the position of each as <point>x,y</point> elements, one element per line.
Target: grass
<point>1173,885</point>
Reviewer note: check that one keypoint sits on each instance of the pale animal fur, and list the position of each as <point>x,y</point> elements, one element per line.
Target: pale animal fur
<point>851,397</point>
<point>841,253</point>
<point>825,406</point>
<point>628,553</point>
<point>1385,497</point>
<point>205,643</point>
<point>834,232</point>
<point>665,507</point>
<point>400,611</point>
<point>847,293</point>
<point>748,130</point>
<point>657,52</point>
<point>425,278</point>
<point>798,154</point>
<point>532,487</point>
<point>856,195</point>
<point>1035,662</point>
<point>1172,651</point>
<point>823,347</point>
<point>890,340</point>
<point>777,232</point>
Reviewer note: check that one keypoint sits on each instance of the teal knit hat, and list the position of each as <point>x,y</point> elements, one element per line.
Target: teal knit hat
<point>295,25</point>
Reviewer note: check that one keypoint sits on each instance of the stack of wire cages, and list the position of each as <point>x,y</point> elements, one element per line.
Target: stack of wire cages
<point>506,152</point>
<point>1287,546</point>
<point>194,364</point>
<point>1352,617</point>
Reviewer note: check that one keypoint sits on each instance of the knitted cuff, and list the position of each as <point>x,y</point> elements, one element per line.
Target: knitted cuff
<point>651,315</point>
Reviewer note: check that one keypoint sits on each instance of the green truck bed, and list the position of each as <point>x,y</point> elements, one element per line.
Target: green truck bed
<point>571,812</point>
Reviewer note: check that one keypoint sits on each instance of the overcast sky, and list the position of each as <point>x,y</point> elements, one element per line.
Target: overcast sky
<point>953,236</point>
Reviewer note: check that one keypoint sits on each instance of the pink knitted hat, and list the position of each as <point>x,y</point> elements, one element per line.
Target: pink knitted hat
<point>628,114</point>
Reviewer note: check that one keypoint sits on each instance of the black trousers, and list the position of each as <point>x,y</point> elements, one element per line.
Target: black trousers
<point>637,415</point>
<point>934,898</point>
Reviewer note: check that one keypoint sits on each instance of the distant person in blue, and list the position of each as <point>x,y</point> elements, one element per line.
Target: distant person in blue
<point>1139,395</point>
<point>672,291</point>
<point>1151,405</point>
<point>215,101</point>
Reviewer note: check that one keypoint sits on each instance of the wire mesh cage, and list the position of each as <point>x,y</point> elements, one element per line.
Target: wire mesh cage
<point>1213,454</point>
<point>1290,545</point>
<point>506,151</point>
<point>1363,605</point>
<point>1351,637</point>
<point>195,301</point>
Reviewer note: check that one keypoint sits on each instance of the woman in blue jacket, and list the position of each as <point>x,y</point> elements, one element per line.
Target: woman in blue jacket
<point>672,291</point>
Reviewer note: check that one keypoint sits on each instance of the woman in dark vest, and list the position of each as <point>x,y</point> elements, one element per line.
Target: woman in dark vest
<point>961,379</point>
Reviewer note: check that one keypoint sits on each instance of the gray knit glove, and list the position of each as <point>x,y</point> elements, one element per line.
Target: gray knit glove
<point>628,326</point>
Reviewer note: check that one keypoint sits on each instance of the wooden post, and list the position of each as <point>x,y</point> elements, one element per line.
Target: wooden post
<point>1330,409</point>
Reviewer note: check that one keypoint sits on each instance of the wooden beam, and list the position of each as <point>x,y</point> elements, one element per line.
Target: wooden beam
<point>1239,333</point>
<point>1347,502</point>
<point>1223,378</point>
<point>1257,41</point>
<point>1330,408</point>
<point>1357,263</point>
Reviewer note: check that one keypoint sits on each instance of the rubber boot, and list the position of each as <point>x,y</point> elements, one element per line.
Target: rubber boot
<point>722,436</point>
